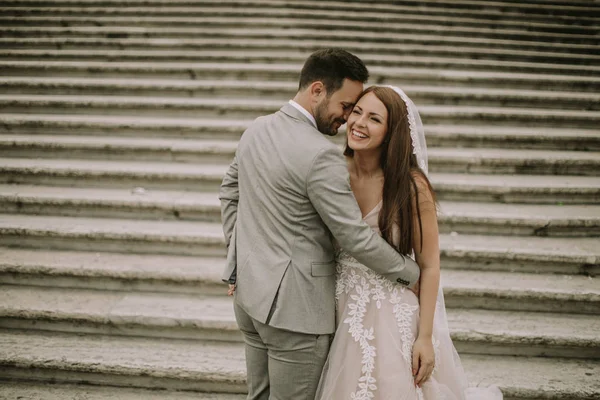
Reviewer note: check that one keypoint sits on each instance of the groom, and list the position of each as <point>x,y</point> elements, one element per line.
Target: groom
<point>285,196</point>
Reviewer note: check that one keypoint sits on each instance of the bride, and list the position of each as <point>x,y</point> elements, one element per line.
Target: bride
<point>389,343</point>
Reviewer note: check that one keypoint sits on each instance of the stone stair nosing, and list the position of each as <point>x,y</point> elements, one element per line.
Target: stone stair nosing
<point>462,217</point>
<point>201,239</point>
<point>531,189</point>
<point>510,292</point>
<point>126,362</point>
<point>211,318</point>
<point>230,129</point>
<point>11,390</point>
<point>103,234</point>
<point>422,95</point>
<point>211,366</point>
<point>195,274</point>
<point>266,44</point>
<point>514,137</point>
<point>448,160</point>
<point>560,21</point>
<point>424,26</point>
<point>218,152</point>
<point>542,189</point>
<point>221,129</point>
<point>289,72</point>
<point>239,108</point>
<point>377,41</point>
<point>270,57</point>
<point>172,176</point>
<point>544,26</point>
<point>535,5</point>
<point>101,271</point>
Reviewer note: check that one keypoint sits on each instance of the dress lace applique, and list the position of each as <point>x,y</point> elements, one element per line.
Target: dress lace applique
<point>404,315</point>
<point>367,286</point>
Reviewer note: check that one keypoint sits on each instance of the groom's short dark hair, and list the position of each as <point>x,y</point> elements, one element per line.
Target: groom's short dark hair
<point>332,66</point>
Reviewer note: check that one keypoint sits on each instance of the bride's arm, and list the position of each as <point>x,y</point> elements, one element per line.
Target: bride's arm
<point>427,254</point>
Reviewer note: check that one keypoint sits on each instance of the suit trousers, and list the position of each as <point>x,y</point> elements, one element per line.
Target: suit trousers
<point>281,365</point>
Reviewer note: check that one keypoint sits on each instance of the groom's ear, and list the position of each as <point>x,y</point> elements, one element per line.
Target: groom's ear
<point>317,91</point>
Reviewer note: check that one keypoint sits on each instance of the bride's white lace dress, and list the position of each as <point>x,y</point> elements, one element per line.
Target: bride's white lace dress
<point>371,354</point>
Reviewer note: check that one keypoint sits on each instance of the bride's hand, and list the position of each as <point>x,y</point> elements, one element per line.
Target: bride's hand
<point>423,360</point>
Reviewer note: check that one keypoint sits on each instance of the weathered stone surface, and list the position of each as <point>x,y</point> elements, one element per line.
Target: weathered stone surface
<point>136,236</point>
<point>425,25</point>
<point>128,362</point>
<point>285,71</point>
<point>110,222</point>
<point>252,108</point>
<point>282,90</point>
<point>487,161</point>
<point>53,391</point>
<point>207,177</point>
<point>462,217</point>
<point>532,14</point>
<point>190,365</point>
<point>112,271</point>
<point>298,38</point>
<point>211,318</point>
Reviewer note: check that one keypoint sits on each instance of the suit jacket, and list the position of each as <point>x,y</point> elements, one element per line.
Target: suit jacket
<point>284,196</point>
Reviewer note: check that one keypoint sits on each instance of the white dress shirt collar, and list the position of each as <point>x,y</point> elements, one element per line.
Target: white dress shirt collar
<point>304,111</point>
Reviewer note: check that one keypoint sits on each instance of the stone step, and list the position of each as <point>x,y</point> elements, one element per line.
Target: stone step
<point>122,148</point>
<point>103,234</point>
<point>458,160</point>
<point>377,41</point>
<point>194,238</point>
<point>423,25</point>
<point>130,362</point>
<point>538,189</point>
<point>422,95</point>
<point>298,57</point>
<point>500,161</point>
<point>170,176</point>
<point>544,189</point>
<point>519,219</point>
<point>513,137</point>
<point>463,217</point>
<point>211,318</point>
<point>521,292</point>
<point>546,7</point>
<point>213,366</point>
<point>249,108</point>
<point>189,274</point>
<point>235,44</point>
<point>53,391</point>
<point>102,271</point>
<point>223,129</point>
<point>557,22</point>
<point>93,125</point>
<point>289,72</point>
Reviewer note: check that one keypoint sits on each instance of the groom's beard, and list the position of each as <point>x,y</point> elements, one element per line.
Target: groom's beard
<point>325,125</point>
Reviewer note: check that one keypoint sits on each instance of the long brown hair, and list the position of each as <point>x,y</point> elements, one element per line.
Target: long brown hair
<point>400,171</point>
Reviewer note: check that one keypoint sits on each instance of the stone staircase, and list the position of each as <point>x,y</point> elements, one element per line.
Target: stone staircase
<point>118,119</point>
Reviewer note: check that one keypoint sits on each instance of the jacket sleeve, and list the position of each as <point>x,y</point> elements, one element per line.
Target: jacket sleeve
<point>328,187</point>
<point>229,196</point>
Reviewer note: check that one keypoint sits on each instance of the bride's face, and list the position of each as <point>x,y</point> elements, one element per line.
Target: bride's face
<point>367,124</point>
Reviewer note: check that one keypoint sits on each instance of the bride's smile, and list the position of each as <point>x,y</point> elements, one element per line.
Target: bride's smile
<point>367,124</point>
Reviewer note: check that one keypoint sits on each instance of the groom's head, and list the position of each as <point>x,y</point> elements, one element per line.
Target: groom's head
<point>330,82</point>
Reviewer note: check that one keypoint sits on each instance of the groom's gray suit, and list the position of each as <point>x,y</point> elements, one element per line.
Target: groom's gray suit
<point>285,196</point>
